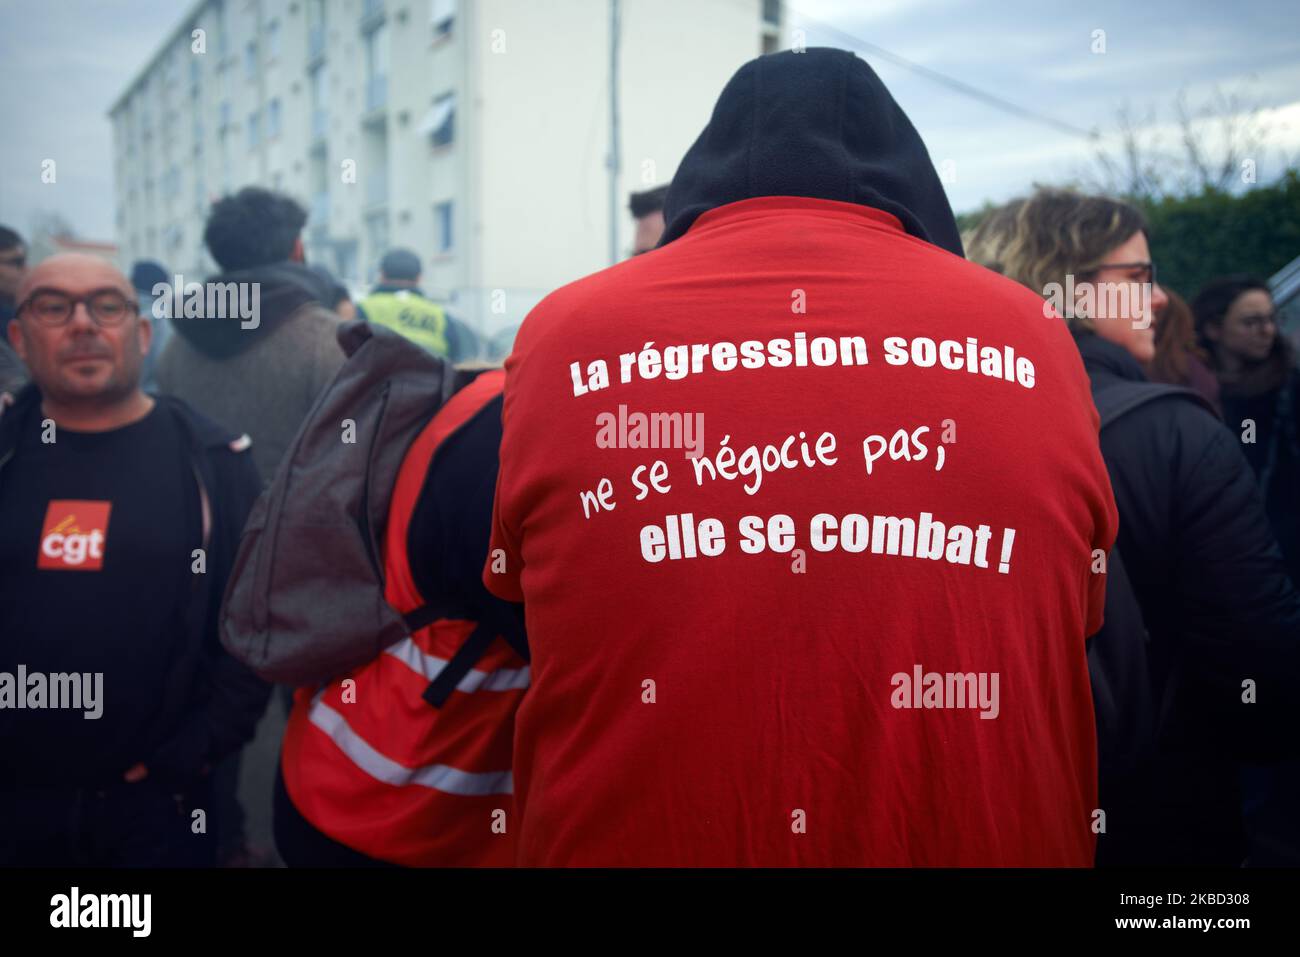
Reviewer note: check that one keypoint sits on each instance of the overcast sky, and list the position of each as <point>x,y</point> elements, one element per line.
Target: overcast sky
<point>63,62</point>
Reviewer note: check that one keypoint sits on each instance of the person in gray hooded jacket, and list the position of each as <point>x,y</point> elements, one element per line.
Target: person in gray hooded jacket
<point>258,371</point>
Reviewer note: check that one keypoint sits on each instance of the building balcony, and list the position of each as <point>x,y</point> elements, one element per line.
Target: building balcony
<point>315,43</point>
<point>376,93</point>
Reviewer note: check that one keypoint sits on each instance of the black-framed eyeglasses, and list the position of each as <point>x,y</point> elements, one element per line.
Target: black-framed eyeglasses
<point>20,260</point>
<point>107,307</point>
<point>1148,270</point>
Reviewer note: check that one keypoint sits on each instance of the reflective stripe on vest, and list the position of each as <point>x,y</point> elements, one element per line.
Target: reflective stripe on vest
<point>375,767</point>
<point>440,777</point>
<point>408,313</point>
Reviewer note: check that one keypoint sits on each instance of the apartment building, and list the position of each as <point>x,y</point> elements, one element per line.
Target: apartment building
<point>476,132</point>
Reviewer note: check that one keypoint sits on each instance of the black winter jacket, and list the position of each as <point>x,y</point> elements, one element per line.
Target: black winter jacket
<point>213,703</point>
<point>1223,616</point>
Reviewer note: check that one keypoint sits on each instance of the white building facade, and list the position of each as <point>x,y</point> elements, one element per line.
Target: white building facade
<point>474,132</point>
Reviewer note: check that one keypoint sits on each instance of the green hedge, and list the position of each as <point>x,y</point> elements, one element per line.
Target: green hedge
<point>1195,238</point>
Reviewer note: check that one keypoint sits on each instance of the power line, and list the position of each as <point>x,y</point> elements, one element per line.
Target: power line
<point>849,41</point>
<point>974,92</point>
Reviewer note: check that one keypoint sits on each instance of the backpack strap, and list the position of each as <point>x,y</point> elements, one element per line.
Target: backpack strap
<point>497,618</point>
<point>493,617</point>
<point>1115,401</point>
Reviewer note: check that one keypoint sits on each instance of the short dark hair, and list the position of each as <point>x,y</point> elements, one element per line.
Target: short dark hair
<point>647,202</point>
<point>10,239</point>
<point>254,227</point>
<point>1217,296</point>
<point>400,264</point>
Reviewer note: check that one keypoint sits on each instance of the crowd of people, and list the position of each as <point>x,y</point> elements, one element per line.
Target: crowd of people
<point>691,674</point>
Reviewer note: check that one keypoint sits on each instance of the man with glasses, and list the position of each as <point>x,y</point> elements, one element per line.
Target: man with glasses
<point>13,264</point>
<point>119,516</point>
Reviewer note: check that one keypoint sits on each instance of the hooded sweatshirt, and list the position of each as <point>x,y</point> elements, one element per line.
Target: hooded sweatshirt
<point>822,126</point>
<point>802,508</point>
<point>258,375</point>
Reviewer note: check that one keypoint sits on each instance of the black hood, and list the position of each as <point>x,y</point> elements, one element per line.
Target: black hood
<point>818,124</point>
<point>283,289</point>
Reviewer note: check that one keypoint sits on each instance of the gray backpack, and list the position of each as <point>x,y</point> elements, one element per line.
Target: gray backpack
<point>305,601</point>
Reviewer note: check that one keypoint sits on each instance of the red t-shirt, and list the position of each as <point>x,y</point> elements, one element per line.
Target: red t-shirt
<point>769,654</point>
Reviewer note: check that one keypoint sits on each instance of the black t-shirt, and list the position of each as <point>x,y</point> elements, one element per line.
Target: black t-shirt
<point>96,536</point>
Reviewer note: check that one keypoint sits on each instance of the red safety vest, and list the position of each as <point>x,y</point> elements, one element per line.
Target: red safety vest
<point>376,767</point>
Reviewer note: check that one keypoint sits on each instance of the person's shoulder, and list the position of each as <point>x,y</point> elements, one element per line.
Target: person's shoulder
<point>312,323</point>
<point>314,315</point>
<point>566,313</point>
<point>204,432</point>
<point>576,297</point>
<point>1173,427</point>
<point>987,288</point>
<point>14,407</point>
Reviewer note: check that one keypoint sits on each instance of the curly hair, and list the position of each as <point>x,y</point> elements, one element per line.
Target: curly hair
<point>255,227</point>
<point>1041,239</point>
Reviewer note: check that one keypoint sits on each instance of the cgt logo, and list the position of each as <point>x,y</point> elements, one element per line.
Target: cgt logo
<point>74,535</point>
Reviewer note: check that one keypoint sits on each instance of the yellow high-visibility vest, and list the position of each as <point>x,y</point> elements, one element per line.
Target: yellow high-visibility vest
<point>409,313</point>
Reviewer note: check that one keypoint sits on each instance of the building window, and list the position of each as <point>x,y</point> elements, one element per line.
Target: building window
<point>377,68</point>
<point>377,52</point>
<point>254,129</point>
<point>315,29</point>
<point>250,59</point>
<point>319,99</point>
<point>439,124</point>
<point>225,114</point>
<point>273,39</point>
<point>273,119</point>
<point>442,17</point>
<point>442,228</point>
<point>772,12</point>
<point>223,30</point>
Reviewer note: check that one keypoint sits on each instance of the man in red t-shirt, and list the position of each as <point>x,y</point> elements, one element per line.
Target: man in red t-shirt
<point>804,510</point>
